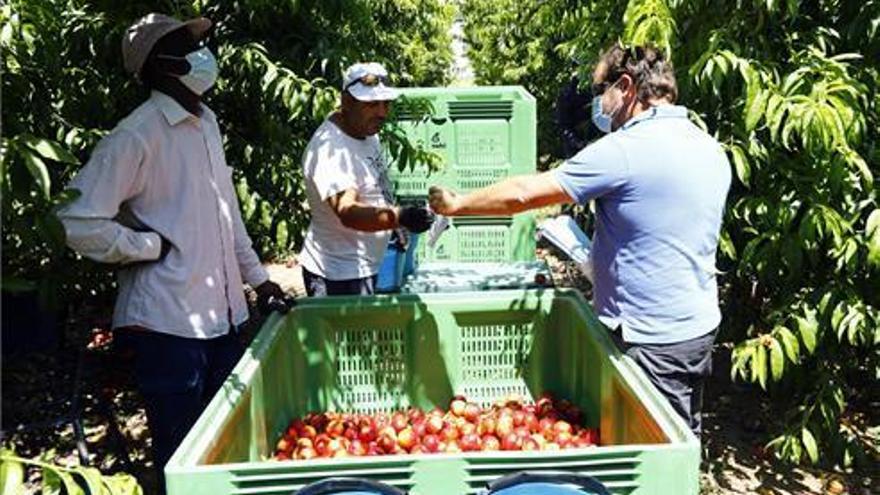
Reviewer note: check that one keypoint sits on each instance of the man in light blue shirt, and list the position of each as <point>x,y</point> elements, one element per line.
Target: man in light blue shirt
<point>660,184</point>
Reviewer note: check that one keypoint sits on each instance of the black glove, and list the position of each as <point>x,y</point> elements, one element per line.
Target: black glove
<point>270,298</point>
<point>416,219</point>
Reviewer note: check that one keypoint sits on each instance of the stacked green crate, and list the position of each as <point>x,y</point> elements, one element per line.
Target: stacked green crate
<point>484,239</point>
<point>483,134</point>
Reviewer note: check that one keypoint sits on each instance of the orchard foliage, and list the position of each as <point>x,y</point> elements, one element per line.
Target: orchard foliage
<point>280,70</point>
<point>790,90</point>
<point>59,479</point>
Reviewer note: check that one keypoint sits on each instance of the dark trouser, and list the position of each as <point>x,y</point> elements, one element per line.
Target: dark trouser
<point>678,370</point>
<point>317,285</point>
<point>177,376</point>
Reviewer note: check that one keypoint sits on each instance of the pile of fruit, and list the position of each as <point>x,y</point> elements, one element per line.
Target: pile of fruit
<point>509,424</point>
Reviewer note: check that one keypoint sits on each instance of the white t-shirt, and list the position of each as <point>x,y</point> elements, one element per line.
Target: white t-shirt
<point>333,162</point>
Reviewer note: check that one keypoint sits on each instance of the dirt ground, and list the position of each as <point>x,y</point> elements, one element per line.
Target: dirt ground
<point>47,396</point>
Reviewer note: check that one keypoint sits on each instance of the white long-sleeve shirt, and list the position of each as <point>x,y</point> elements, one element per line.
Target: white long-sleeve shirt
<point>162,171</point>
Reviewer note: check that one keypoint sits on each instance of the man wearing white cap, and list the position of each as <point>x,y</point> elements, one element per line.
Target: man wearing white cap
<point>350,196</point>
<point>157,201</point>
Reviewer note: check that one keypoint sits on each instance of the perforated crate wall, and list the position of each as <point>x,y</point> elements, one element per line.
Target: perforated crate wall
<point>493,359</point>
<point>484,239</point>
<point>371,369</point>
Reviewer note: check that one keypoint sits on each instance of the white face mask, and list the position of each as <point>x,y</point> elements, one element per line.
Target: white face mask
<point>202,73</point>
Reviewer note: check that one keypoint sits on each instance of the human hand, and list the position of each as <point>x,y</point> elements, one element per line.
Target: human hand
<point>443,201</point>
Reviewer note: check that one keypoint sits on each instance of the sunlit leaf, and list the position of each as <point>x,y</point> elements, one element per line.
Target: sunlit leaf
<point>790,344</point>
<point>872,238</point>
<point>38,171</point>
<point>777,361</point>
<point>759,366</point>
<point>49,149</point>
<point>810,445</point>
<point>808,327</point>
<point>11,474</point>
<point>740,164</point>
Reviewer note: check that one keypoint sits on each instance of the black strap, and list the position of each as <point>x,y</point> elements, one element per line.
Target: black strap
<point>557,477</point>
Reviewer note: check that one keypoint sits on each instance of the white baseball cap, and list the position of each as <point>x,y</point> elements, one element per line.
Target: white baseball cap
<point>141,36</point>
<point>368,82</point>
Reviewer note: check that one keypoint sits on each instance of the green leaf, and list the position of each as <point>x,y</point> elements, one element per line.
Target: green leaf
<point>872,239</point>
<point>742,355</point>
<point>50,149</point>
<point>266,215</point>
<point>122,484</point>
<point>11,475</point>
<point>787,128</point>
<point>759,366</point>
<point>776,360</point>
<point>789,344</point>
<point>281,234</point>
<point>858,163</point>
<point>725,244</point>
<point>56,479</point>
<point>838,316</point>
<point>755,109</point>
<point>810,444</point>
<point>38,171</point>
<point>740,164</point>
<point>404,156</point>
<point>93,480</point>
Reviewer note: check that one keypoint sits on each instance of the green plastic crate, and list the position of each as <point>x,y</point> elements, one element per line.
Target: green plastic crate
<point>389,352</point>
<point>483,239</point>
<point>484,134</point>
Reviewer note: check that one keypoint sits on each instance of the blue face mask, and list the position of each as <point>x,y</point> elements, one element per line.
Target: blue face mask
<point>602,120</point>
<point>203,70</point>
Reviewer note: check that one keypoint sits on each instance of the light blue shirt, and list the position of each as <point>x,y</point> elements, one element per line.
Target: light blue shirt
<point>660,184</point>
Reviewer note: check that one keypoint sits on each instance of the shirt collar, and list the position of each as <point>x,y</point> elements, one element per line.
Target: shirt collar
<point>658,112</point>
<point>174,113</point>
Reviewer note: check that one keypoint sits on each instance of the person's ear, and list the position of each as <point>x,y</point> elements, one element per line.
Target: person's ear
<point>626,85</point>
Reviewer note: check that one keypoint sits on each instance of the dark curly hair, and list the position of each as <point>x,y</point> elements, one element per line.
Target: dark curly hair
<point>651,72</point>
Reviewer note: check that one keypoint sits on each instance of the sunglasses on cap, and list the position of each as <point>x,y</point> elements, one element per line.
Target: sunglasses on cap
<point>368,80</point>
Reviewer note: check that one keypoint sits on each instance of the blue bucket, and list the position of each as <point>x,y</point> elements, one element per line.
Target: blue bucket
<point>546,483</point>
<point>409,260</point>
<point>348,486</point>
<point>397,265</point>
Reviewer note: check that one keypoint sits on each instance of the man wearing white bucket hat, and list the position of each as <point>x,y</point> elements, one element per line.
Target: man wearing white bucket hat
<point>157,201</point>
<point>350,196</point>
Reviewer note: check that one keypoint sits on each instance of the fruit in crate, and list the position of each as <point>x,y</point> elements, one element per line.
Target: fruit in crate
<point>510,424</point>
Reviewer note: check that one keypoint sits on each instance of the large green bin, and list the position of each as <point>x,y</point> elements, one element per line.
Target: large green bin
<point>388,352</point>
